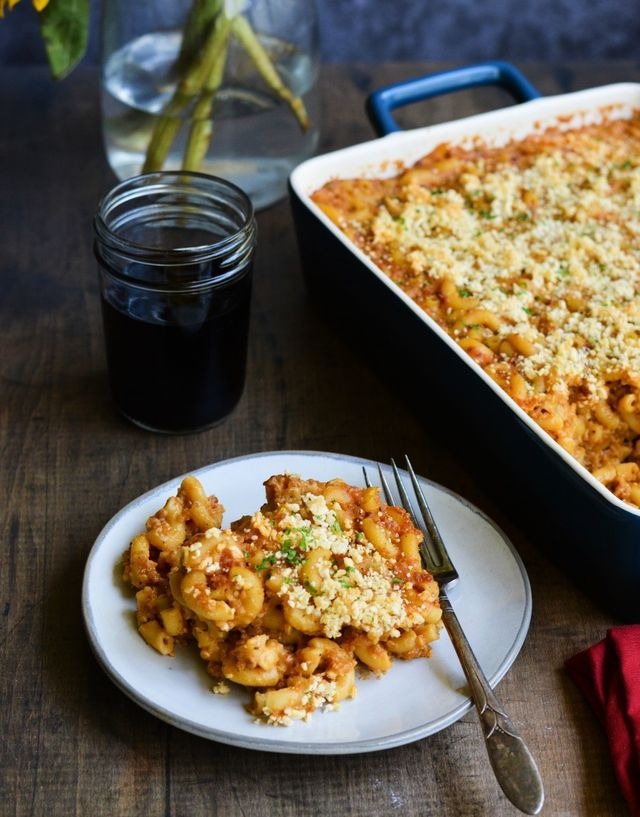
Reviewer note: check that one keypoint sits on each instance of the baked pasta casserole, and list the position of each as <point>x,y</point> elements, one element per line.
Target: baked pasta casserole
<point>286,602</point>
<point>528,255</point>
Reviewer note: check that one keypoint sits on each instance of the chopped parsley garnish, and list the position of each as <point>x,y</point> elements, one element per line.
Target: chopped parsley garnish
<point>350,568</point>
<point>464,293</point>
<point>528,310</point>
<point>290,553</point>
<point>267,562</point>
<point>310,589</point>
<point>486,214</point>
<point>304,533</point>
<point>625,165</point>
<point>522,216</point>
<point>335,527</point>
<point>345,583</point>
<point>563,272</point>
<point>396,581</point>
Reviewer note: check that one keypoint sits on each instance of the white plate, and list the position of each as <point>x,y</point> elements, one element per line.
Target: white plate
<point>413,700</point>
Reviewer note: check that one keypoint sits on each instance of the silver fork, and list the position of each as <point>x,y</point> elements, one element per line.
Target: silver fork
<point>512,762</point>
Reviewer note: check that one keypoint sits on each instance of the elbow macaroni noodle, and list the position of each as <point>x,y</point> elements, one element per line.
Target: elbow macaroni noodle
<point>528,255</point>
<point>288,601</point>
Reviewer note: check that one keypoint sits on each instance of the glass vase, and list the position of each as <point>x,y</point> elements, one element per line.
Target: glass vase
<point>224,87</point>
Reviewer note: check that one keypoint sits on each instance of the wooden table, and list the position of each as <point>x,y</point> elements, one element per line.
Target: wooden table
<point>72,744</point>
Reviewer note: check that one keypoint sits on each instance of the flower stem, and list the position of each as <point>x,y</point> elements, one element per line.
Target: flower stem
<point>201,128</point>
<point>200,68</point>
<point>200,19</point>
<point>247,37</point>
<point>168,125</point>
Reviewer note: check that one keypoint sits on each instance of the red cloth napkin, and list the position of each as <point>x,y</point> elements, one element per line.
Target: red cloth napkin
<point>608,675</point>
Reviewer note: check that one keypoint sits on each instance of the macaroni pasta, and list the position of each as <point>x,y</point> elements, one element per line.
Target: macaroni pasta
<point>528,255</point>
<point>288,601</point>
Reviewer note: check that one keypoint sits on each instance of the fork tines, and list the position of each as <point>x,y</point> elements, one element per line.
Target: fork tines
<point>434,551</point>
<point>511,759</point>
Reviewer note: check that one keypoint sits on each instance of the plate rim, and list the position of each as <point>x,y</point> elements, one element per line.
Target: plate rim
<point>360,746</point>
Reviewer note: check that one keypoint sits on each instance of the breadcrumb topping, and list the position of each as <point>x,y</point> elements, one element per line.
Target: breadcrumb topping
<point>528,255</point>
<point>364,593</point>
<point>287,601</point>
<point>563,232</point>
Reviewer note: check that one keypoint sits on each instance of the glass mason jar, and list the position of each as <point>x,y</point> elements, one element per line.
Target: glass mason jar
<point>175,253</point>
<point>226,87</point>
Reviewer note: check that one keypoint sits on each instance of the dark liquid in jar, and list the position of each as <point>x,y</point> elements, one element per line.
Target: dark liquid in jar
<point>177,362</point>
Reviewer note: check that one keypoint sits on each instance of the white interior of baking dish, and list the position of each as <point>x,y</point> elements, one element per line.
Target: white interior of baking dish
<point>386,156</point>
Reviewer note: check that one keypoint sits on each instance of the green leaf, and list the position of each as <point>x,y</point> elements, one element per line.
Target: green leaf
<point>64,25</point>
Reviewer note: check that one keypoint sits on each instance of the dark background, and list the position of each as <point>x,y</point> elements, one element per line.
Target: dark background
<point>451,30</point>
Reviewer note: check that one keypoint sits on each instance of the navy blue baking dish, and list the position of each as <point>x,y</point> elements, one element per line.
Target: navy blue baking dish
<point>594,535</point>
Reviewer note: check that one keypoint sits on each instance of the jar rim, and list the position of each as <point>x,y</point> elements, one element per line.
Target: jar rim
<point>213,189</point>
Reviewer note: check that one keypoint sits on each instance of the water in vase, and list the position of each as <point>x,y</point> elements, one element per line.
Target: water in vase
<point>256,139</point>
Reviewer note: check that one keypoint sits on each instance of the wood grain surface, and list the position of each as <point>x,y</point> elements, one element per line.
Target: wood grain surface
<point>73,744</point>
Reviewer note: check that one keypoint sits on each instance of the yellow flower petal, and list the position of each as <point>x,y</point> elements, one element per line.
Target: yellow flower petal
<point>37,4</point>
<point>11,4</point>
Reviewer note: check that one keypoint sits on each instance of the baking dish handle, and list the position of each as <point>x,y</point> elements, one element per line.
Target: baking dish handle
<point>502,74</point>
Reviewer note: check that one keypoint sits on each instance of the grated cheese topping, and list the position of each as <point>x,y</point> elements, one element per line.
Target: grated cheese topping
<point>552,249</point>
<point>286,602</point>
<point>359,589</point>
<point>319,694</point>
<point>528,255</point>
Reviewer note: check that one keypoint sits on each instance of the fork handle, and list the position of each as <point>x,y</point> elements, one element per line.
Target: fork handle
<point>512,762</point>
